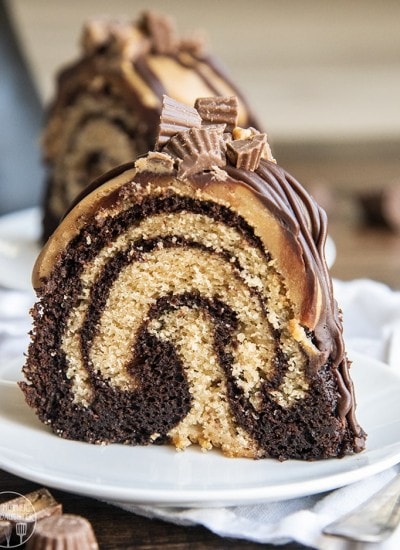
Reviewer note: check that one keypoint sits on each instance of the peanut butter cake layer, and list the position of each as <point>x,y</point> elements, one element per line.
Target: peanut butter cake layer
<point>186,299</point>
<point>107,104</point>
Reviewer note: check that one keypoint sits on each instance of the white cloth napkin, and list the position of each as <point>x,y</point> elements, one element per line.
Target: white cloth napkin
<point>371,326</point>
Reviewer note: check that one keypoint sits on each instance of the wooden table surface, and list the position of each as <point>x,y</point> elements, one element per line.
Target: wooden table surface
<point>117,529</point>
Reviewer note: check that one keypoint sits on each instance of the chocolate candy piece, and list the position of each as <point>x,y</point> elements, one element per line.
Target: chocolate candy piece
<point>67,531</point>
<point>198,149</point>
<point>247,153</point>
<point>218,110</point>
<point>44,504</point>
<point>31,507</point>
<point>6,528</point>
<point>206,147</point>
<point>382,208</point>
<point>175,117</point>
<point>162,31</point>
<point>19,515</point>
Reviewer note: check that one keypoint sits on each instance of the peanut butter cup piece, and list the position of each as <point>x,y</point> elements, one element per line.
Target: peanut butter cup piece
<point>6,528</point>
<point>161,30</point>
<point>175,117</point>
<point>194,44</point>
<point>116,37</point>
<point>65,532</point>
<point>31,507</point>
<point>247,153</point>
<point>95,34</point>
<point>218,110</point>
<point>197,149</point>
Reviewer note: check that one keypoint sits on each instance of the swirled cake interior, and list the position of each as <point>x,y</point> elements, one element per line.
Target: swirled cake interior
<point>189,302</point>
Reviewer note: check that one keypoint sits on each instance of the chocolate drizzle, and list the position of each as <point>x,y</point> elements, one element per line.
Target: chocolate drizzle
<point>284,195</point>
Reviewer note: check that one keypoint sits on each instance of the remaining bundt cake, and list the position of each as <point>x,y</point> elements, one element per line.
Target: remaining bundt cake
<point>108,103</point>
<point>186,299</point>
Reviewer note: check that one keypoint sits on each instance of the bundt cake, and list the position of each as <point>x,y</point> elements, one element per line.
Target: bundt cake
<point>107,103</point>
<point>186,299</point>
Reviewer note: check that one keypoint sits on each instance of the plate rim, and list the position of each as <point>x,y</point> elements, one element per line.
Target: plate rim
<point>184,497</point>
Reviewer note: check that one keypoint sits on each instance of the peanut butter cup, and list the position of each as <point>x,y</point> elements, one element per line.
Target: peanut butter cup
<point>65,532</point>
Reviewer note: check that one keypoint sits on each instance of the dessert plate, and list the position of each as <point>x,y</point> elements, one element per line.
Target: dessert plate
<point>162,476</point>
<point>19,247</point>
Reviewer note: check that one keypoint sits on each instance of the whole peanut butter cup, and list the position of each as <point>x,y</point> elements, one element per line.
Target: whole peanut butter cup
<point>65,532</point>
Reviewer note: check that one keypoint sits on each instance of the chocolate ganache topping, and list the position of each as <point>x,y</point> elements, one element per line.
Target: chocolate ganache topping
<point>204,145</point>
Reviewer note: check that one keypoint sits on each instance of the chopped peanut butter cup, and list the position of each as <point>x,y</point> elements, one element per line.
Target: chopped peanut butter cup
<point>175,117</point>
<point>247,153</point>
<point>219,110</point>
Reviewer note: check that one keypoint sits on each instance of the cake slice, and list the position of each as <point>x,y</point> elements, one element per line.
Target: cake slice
<point>186,299</point>
<point>108,102</point>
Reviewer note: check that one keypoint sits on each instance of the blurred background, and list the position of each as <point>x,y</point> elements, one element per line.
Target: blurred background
<point>323,77</point>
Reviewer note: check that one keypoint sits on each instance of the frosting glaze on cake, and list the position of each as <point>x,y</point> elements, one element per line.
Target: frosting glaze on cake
<point>189,301</point>
<point>107,103</point>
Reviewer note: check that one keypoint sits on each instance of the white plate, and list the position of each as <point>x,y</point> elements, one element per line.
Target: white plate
<point>19,247</point>
<point>162,476</point>
<point>330,251</point>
